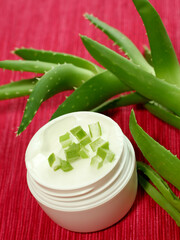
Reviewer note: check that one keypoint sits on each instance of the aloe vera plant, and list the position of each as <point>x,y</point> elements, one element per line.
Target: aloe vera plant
<point>157,83</point>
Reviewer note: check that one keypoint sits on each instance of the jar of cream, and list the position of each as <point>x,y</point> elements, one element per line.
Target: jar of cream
<point>87,198</point>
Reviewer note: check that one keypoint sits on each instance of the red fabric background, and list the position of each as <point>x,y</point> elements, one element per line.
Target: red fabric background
<point>55,25</point>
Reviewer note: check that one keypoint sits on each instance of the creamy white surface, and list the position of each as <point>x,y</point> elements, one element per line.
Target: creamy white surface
<point>46,141</point>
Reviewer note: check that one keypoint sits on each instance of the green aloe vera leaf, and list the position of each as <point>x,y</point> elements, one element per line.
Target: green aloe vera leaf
<point>122,100</point>
<point>56,57</point>
<point>162,160</point>
<point>161,185</point>
<point>60,78</point>
<point>147,55</point>
<point>164,58</point>
<point>159,199</point>
<point>163,114</point>
<point>141,81</point>
<point>122,41</point>
<point>27,66</point>
<point>91,94</point>
<point>17,89</point>
<point>134,98</point>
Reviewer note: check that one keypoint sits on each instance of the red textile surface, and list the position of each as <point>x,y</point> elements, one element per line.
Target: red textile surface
<point>55,25</point>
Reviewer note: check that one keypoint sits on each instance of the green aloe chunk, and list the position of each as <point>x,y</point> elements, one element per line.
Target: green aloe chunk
<point>162,160</point>
<point>81,134</point>
<point>84,153</point>
<point>105,154</point>
<point>75,130</point>
<point>95,130</point>
<point>72,152</point>
<point>65,140</point>
<point>158,197</point>
<point>57,167</point>
<point>86,140</point>
<point>164,58</point>
<point>65,166</point>
<point>78,132</point>
<point>105,145</point>
<point>161,185</point>
<point>51,159</point>
<point>96,162</point>
<point>96,144</point>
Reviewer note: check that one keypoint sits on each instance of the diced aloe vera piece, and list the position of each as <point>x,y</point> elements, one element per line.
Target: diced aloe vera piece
<point>57,167</point>
<point>96,162</point>
<point>75,130</point>
<point>110,156</point>
<point>57,164</point>
<point>81,134</point>
<point>105,154</point>
<point>51,159</point>
<point>84,153</point>
<point>97,143</point>
<point>95,130</point>
<point>65,140</point>
<point>66,166</point>
<point>72,152</point>
<point>105,145</point>
<point>101,152</point>
<point>78,132</point>
<point>85,141</point>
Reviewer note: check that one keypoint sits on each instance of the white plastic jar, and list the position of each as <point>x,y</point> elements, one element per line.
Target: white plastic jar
<point>85,199</point>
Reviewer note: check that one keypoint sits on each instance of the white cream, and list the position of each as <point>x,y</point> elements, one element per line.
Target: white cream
<point>46,141</point>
